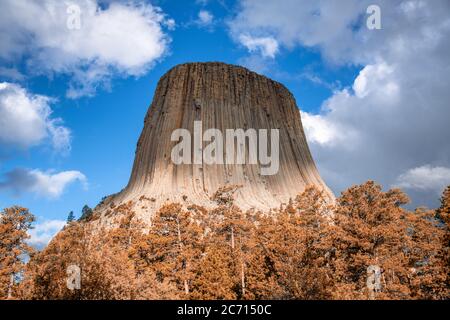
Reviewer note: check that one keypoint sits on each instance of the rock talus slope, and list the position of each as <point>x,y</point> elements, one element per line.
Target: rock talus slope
<point>222,96</point>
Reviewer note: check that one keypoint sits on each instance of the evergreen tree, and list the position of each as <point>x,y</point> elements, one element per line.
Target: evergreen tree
<point>70,217</point>
<point>174,245</point>
<point>372,231</point>
<point>14,225</point>
<point>233,234</point>
<point>86,213</point>
<point>295,245</point>
<point>443,212</point>
<point>307,249</point>
<point>214,277</point>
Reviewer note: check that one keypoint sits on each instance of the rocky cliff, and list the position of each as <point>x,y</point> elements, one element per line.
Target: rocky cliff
<point>223,97</point>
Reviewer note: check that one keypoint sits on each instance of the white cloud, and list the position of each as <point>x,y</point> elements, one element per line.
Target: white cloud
<point>395,115</point>
<point>319,130</point>
<point>374,79</point>
<point>311,23</point>
<point>425,178</point>
<point>170,23</point>
<point>205,17</point>
<point>338,28</point>
<point>316,79</point>
<point>124,38</point>
<point>45,184</point>
<point>11,74</point>
<point>26,121</point>
<point>257,63</point>
<point>43,232</point>
<point>266,46</point>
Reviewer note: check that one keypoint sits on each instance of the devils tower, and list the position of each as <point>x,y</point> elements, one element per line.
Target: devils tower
<point>219,96</point>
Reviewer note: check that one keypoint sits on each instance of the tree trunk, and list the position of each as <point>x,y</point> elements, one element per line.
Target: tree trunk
<point>179,233</point>
<point>243,278</point>
<point>180,243</point>
<point>10,286</point>
<point>232,238</point>
<point>186,287</point>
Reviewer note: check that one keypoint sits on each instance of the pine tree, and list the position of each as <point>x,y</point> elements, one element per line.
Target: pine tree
<point>443,214</point>
<point>262,272</point>
<point>45,277</point>
<point>214,277</point>
<point>308,249</point>
<point>70,217</point>
<point>429,270</point>
<point>372,231</point>
<point>173,245</point>
<point>231,233</point>
<point>14,225</point>
<point>106,260</point>
<point>296,247</point>
<point>86,213</point>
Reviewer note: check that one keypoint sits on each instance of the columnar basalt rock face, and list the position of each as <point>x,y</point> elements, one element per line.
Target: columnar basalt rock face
<point>221,96</point>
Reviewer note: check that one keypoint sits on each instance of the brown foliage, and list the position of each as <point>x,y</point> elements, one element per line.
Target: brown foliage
<point>371,228</point>
<point>107,271</point>
<point>443,214</point>
<point>293,247</point>
<point>14,224</point>
<point>308,250</point>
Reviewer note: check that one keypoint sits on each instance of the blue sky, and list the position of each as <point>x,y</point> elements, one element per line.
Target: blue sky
<point>352,84</point>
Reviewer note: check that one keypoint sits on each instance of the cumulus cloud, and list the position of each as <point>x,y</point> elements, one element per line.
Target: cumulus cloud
<point>26,120</point>
<point>45,184</point>
<point>205,18</point>
<point>425,178</point>
<point>312,23</point>
<point>395,115</point>
<point>338,28</point>
<point>319,130</point>
<point>89,42</point>
<point>266,46</point>
<point>43,232</point>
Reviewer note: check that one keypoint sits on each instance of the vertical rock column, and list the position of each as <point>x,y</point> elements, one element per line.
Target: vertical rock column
<point>224,97</point>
